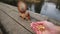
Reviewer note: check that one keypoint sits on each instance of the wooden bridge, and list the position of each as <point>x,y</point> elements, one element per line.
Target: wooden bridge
<point>14,24</point>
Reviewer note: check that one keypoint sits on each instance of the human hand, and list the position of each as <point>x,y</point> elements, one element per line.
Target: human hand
<point>48,27</point>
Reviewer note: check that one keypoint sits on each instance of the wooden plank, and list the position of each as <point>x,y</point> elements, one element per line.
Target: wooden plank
<point>11,26</point>
<point>16,17</point>
<point>54,21</point>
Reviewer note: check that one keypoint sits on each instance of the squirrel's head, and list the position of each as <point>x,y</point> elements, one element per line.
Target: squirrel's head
<point>22,7</point>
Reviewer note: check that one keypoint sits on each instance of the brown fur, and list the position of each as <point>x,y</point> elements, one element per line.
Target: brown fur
<point>23,13</point>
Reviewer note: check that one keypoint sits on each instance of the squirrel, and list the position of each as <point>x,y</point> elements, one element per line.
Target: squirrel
<point>22,7</point>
